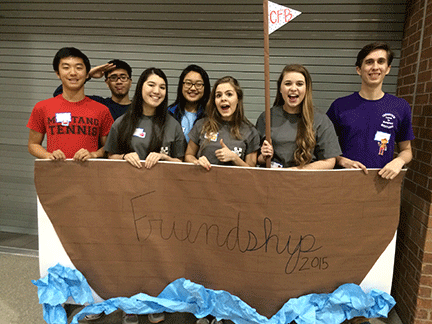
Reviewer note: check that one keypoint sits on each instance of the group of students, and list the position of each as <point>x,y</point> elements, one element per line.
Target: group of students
<point>208,126</point>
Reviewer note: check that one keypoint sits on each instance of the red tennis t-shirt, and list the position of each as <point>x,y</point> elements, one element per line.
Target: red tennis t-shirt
<point>70,126</point>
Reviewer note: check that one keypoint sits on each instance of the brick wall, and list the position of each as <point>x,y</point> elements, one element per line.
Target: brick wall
<point>412,283</point>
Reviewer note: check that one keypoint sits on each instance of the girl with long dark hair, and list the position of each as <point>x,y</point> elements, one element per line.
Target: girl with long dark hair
<point>146,131</point>
<point>193,92</point>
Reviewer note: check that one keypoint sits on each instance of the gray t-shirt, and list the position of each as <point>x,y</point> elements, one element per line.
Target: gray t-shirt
<point>284,132</point>
<point>173,144</point>
<point>209,143</point>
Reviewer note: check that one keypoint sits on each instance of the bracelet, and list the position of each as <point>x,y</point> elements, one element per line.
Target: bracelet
<point>124,156</point>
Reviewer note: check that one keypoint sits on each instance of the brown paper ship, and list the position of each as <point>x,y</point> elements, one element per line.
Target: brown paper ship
<point>263,235</point>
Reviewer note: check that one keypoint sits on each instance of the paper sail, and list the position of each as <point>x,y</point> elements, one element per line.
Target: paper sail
<point>264,235</point>
<point>279,15</point>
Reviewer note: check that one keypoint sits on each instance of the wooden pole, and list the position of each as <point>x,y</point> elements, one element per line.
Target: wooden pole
<point>267,77</point>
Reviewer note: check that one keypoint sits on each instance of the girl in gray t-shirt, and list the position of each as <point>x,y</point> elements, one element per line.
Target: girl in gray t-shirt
<point>225,136</point>
<point>146,131</point>
<point>301,137</point>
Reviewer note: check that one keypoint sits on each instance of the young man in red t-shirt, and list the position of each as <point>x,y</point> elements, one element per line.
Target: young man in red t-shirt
<point>73,123</point>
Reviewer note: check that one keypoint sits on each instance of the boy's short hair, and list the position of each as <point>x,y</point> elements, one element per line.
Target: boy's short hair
<point>120,65</point>
<point>70,52</point>
<point>373,47</point>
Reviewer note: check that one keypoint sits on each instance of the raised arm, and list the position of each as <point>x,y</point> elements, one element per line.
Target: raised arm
<point>99,71</point>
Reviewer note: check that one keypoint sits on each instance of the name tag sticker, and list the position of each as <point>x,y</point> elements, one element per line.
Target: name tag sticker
<point>381,135</point>
<point>64,118</point>
<point>139,132</point>
<point>212,136</point>
<point>275,165</point>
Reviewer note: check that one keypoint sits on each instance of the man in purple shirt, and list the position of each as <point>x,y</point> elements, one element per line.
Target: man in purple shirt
<point>370,122</point>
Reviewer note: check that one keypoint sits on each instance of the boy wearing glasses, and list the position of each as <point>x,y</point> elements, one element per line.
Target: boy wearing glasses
<point>118,77</point>
<point>73,123</point>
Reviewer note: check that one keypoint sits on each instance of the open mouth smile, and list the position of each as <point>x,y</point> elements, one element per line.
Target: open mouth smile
<point>225,107</point>
<point>293,98</point>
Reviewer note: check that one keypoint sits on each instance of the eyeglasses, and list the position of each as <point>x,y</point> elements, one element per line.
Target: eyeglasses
<point>189,84</point>
<point>115,77</point>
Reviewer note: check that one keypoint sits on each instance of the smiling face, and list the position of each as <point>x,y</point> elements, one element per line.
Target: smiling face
<point>72,73</point>
<point>226,100</point>
<point>153,93</point>
<point>374,68</point>
<point>119,88</point>
<point>293,91</point>
<point>193,87</point>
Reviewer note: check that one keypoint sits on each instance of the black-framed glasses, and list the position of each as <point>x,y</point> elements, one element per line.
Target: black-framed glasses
<point>115,77</point>
<point>189,84</point>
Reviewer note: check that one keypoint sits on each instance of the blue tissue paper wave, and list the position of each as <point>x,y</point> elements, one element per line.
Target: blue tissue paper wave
<point>182,295</point>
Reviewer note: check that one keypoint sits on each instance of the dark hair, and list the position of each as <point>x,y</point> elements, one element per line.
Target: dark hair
<point>373,47</point>
<point>132,116</point>
<point>70,52</point>
<point>305,138</point>
<point>119,64</point>
<point>181,100</point>
<point>214,118</point>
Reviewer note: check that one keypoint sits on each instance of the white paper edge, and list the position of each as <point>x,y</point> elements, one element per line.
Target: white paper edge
<point>381,275</point>
<point>51,251</point>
